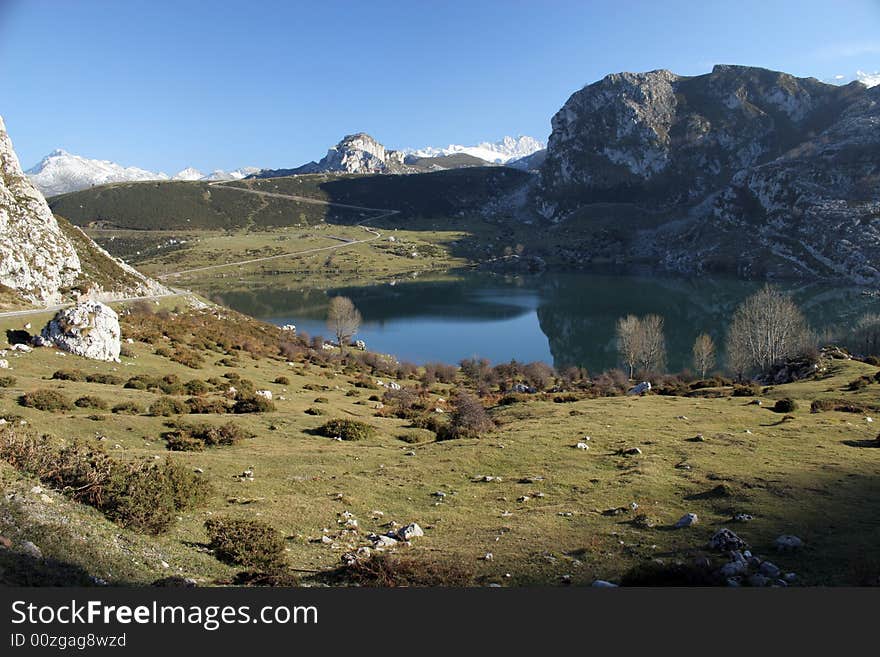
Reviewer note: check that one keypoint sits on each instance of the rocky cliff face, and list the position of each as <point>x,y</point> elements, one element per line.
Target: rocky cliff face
<point>45,260</point>
<point>358,153</point>
<point>36,259</point>
<point>751,170</point>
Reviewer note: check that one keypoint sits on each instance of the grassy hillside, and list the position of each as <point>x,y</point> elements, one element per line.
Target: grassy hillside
<point>438,194</point>
<point>188,206</point>
<point>545,511</point>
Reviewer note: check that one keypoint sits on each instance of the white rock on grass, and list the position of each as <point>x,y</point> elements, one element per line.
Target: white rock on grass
<point>410,531</point>
<point>687,520</point>
<point>89,329</point>
<point>265,394</point>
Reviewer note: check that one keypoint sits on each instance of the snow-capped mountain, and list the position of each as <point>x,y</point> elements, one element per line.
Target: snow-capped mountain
<point>237,174</point>
<point>868,79</point>
<point>498,152</point>
<point>61,172</point>
<point>188,174</point>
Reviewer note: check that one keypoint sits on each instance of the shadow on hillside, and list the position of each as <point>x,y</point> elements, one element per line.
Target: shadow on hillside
<point>19,569</point>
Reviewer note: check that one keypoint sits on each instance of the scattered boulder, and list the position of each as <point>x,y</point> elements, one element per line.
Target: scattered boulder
<point>265,394</point>
<point>31,550</point>
<point>743,517</point>
<point>361,345</point>
<point>640,389</point>
<point>410,531</point>
<point>725,540</point>
<point>788,543</point>
<point>89,329</point>
<point>687,520</point>
<point>632,451</point>
<point>4,364</point>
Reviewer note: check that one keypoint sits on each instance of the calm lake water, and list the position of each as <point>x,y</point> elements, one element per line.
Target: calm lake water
<point>560,318</point>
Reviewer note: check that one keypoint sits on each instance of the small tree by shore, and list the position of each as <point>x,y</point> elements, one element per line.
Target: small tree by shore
<point>343,319</point>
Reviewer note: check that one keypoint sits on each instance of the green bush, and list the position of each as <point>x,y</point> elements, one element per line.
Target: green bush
<point>786,405</point>
<point>282,381</point>
<point>106,379</point>
<point>347,430</point>
<point>182,441</point>
<point>315,411</point>
<point>196,387</point>
<point>860,383</point>
<point>69,375</point>
<point>167,406</point>
<point>142,495</point>
<point>248,543</point>
<point>7,381</point>
<point>203,406</point>
<point>46,400</point>
<point>188,438</point>
<point>90,401</point>
<point>127,408</point>
<point>748,390</point>
<point>253,404</point>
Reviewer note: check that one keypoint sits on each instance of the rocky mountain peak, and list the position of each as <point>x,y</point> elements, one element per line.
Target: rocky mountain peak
<point>357,153</point>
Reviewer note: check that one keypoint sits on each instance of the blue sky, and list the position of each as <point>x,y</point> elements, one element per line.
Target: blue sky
<point>168,84</point>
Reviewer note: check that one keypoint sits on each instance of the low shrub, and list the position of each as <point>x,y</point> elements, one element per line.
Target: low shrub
<point>90,401</point>
<point>820,405</point>
<point>106,379</point>
<point>282,381</point>
<point>347,430</point>
<point>7,381</point>
<point>46,400</point>
<point>248,543</point>
<point>167,406</point>
<point>860,383</point>
<point>315,411</point>
<point>69,375</point>
<point>389,570</point>
<point>127,408</point>
<point>746,390</point>
<point>786,405</point>
<point>189,438</point>
<point>467,420</point>
<point>143,495</point>
<point>253,404</point>
<point>204,406</point>
<point>196,387</point>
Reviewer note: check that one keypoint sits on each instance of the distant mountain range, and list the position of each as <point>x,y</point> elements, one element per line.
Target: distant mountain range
<point>61,172</point>
<point>498,152</point>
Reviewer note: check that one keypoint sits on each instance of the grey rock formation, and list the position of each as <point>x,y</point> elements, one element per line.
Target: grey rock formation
<point>36,259</point>
<point>358,153</point>
<point>88,329</point>
<point>741,170</point>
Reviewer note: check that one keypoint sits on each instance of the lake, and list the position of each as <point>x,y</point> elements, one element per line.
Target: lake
<point>560,318</point>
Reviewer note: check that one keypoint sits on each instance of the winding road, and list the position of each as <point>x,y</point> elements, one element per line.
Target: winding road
<point>384,213</point>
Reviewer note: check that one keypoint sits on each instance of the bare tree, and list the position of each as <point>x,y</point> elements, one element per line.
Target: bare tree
<point>704,354</point>
<point>343,319</point>
<point>865,336</point>
<point>766,329</point>
<point>652,354</point>
<point>628,341</point>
